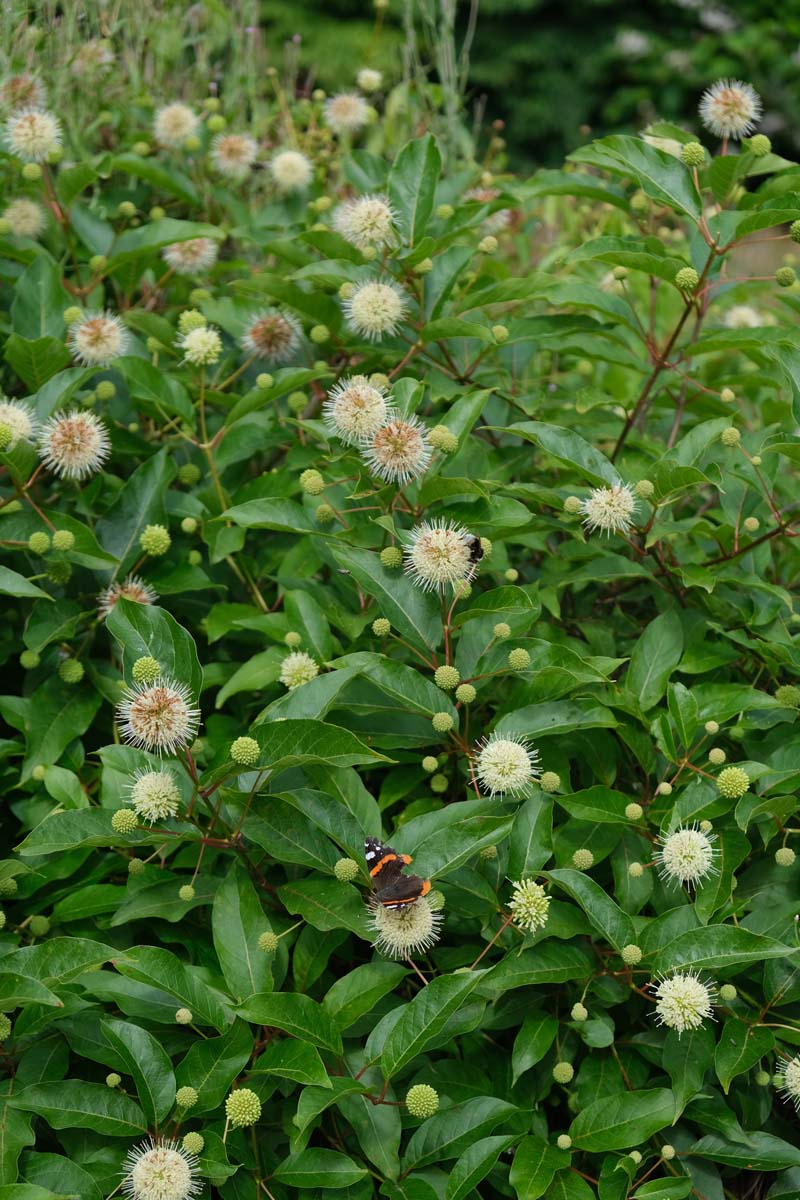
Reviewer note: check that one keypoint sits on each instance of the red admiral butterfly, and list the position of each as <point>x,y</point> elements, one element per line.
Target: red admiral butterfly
<point>393,889</point>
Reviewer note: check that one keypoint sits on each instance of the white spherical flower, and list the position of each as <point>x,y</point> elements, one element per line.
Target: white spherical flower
<point>96,340</point>
<point>19,418</point>
<point>22,91</point>
<point>155,795</point>
<point>161,1170</point>
<point>233,154</point>
<point>529,904</point>
<point>133,588</point>
<point>730,108</point>
<point>439,553</point>
<point>506,764</point>
<point>398,451</point>
<point>73,445</point>
<point>274,335</point>
<point>375,309</point>
<point>743,316</point>
<point>346,113</point>
<point>174,123</point>
<point>191,257</point>
<point>365,221</point>
<point>93,56</point>
<point>369,80</point>
<point>25,218</point>
<point>291,170</point>
<point>790,1076</point>
<point>683,1001</point>
<point>298,668</point>
<point>401,932</point>
<point>687,855</point>
<point>356,409</point>
<point>609,509</point>
<point>33,134</point>
<point>158,717</point>
<point>201,347</point>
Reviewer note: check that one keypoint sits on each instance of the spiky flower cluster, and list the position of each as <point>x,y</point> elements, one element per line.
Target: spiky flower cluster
<point>192,256</point>
<point>233,154</point>
<point>33,134</point>
<point>291,170</point>
<point>272,334</point>
<point>375,309</point>
<point>97,339</point>
<point>683,1001</point>
<point>365,221</point>
<point>438,554</point>
<point>159,717</point>
<point>529,904</point>
<point>399,451</point>
<point>18,417</point>
<point>25,218</point>
<point>133,588</point>
<point>242,1108</point>
<point>686,856</point>
<point>733,782</point>
<point>161,1170</point>
<point>174,124</point>
<point>298,668</point>
<point>355,409</point>
<point>74,444</point>
<point>790,1080</point>
<point>505,764</point>
<point>401,932</point>
<point>730,108</point>
<point>155,795</point>
<point>609,509</point>
<point>346,113</point>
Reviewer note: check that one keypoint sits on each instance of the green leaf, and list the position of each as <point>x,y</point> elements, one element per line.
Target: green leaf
<point>318,1169</point>
<point>36,360</point>
<point>39,301</point>
<point>327,905</point>
<point>65,830</point>
<point>139,502</point>
<point>73,1104</point>
<point>549,962</point>
<point>475,1164</point>
<point>616,1122</point>
<point>717,946</point>
<point>293,1059</point>
<point>211,1066</point>
<point>161,969</point>
<point>72,181</point>
<point>570,449</point>
<point>283,516</point>
<point>604,915</point>
<point>147,240</point>
<point>354,995</point>
<point>686,1059</point>
<point>536,1035</point>
<point>655,656</point>
<point>760,1152</point>
<point>600,805</point>
<point>412,186</point>
<point>172,181</point>
<point>531,837</point>
<point>147,1063</point>
<point>144,630</point>
<point>413,613</point>
<point>299,743</point>
<point>535,1163</point>
<point>14,584</point>
<point>237,919</point>
<point>447,1134</point>
<point>662,176</point>
<point>423,1019</point>
<point>739,1048</point>
<point>297,1015</point>
<point>154,390</point>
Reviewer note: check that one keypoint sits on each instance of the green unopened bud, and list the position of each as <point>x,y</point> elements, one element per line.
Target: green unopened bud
<point>519,659</point>
<point>733,782</point>
<point>113,1079</point>
<point>634,812</point>
<point>186,893</point>
<point>727,993</point>
<point>693,154</point>
<point>785,856</point>
<point>391,557</point>
<point>466,693</point>
<point>636,870</point>
<point>381,627</point>
<point>488,245</point>
<point>345,870</point>
<point>193,1143</point>
<point>686,280</point>
<point>39,925</point>
<point>325,514</point>
<point>124,821</point>
<point>126,209</point>
<point>442,722</point>
<point>157,213</point>
<point>631,954</point>
<point>31,172</point>
<point>442,439</point>
<point>579,1012</point>
<point>141,148</point>
<point>146,670</point>
<point>446,678</point>
<point>242,1108</point>
<point>183,1016</point>
<point>292,639</point>
<point>188,474</point>
<point>424,267</point>
<point>727,395</point>
<point>186,1097</point>
<point>445,211</point>
<point>320,334</point>
<point>29,659</point>
<point>583,859</point>
<point>268,942</point>
<point>312,482</point>
<point>644,489</point>
<point>759,145</point>
<point>563,1072</point>
<point>422,1101</point>
<point>245,751</point>
<point>512,575</point>
<point>788,695</point>
<point>71,671</point>
<point>563,1141</point>
<point>98,262</point>
<point>39,542</point>
<point>439,783</point>
<point>763,1079</point>
<point>785,276</point>
<point>573,505</point>
<point>135,866</point>
<point>155,540</point>
<point>502,631</point>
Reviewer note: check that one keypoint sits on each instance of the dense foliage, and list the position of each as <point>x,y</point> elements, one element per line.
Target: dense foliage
<point>248,380</point>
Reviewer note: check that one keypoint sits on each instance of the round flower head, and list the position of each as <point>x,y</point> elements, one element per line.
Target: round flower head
<point>291,170</point>
<point>439,553</point>
<point>687,855</point>
<point>743,316</point>
<point>155,795</point>
<point>529,904</point>
<point>346,113</point>
<point>133,588</point>
<point>201,347</point>
<point>298,668</point>
<point>73,445</point>
<point>374,309</point>
<point>22,91</point>
<point>242,1107</point>
<point>790,1080</point>
<point>19,418</point>
<point>505,764</point>
<point>272,334</point>
<point>401,932</point>
<point>161,1170</point>
<point>25,218</point>
<point>730,108</point>
<point>93,56</point>
<point>33,134</point>
<point>233,154</point>
<point>366,221</point>
<point>191,257</point>
<point>356,409</point>
<point>398,451</point>
<point>683,1001</point>
<point>97,339</point>
<point>609,509</point>
<point>369,80</point>
<point>159,717</point>
<point>174,123</point>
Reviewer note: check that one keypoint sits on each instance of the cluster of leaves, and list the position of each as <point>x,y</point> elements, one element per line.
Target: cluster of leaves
<point>551,367</point>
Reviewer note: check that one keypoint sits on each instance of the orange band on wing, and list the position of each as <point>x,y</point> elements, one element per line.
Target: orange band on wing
<point>406,858</point>
<point>387,858</point>
<point>426,887</point>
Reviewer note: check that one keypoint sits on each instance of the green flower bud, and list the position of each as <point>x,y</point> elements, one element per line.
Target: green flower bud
<point>29,659</point>
<point>39,926</point>
<point>39,542</point>
<point>465,693</point>
<point>445,211</point>
<point>519,659</point>
<point>439,783</point>
<point>631,954</point>
<point>98,262</point>
<point>762,1079</point>
<point>488,245</point>
<point>634,812</point>
<point>693,154</point>
<point>194,1143</point>
<point>245,751</point>
<point>759,145</point>
<point>644,489</point>
<point>141,148</point>
<point>320,334</point>
<point>135,866</point>
<point>500,334</point>
<point>157,213</point>
<point>183,1016</point>
<point>146,670</point>
<point>785,276</point>
<point>325,514</point>
<point>422,1101</point>
<point>381,627</point>
<point>188,474</point>
<point>512,575</point>
<point>345,870</point>
<point>446,678</point>
<point>113,1079</point>
<point>442,439</point>
<point>788,695</point>
<point>424,267</point>
<point>186,893</point>
<point>442,722</point>
<point>727,993</point>
<point>268,942</point>
<point>785,856</point>
<point>312,483</point>
<point>563,1141</point>
<point>563,1072</point>
<point>686,280</point>
<point>31,172</point>
<point>155,540</point>
<point>579,1013</point>
<point>242,1108</point>
<point>732,783</point>
<point>550,781</point>
<point>126,209</point>
<point>582,860</point>
<point>186,1097</point>
<point>71,671</point>
<point>502,631</point>
<point>391,557</point>
<point>124,821</point>
<point>189,525</point>
<point>63,539</point>
<point>636,870</point>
